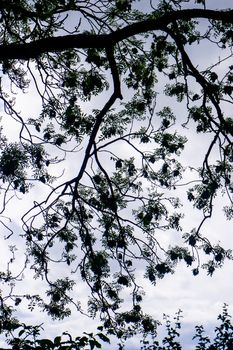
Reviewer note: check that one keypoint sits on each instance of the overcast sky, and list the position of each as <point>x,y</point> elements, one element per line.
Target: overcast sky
<point>201,298</point>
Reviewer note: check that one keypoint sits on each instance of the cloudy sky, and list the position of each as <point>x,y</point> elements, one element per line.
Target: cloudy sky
<point>201,298</point>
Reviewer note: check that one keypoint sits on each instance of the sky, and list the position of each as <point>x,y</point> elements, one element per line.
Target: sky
<point>201,298</point>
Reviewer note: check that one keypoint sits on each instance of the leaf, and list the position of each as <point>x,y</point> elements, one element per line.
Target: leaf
<point>192,240</point>
<point>21,332</point>
<point>103,337</point>
<point>57,340</point>
<point>94,343</point>
<point>118,164</point>
<point>46,343</point>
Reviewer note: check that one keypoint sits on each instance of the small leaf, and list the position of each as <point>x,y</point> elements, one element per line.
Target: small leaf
<point>218,257</point>
<point>93,343</point>
<point>118,163</point>
<point>103,337</point>
<point>57,340</point>
<point>97,179</point>
<point>42,179</point>
<point>188,259</point>
<point>192,241</point>
<point>213,76</point>
<point>195,272</point>
<point>21,332</point>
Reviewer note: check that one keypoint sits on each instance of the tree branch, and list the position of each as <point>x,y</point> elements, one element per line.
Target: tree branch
<point>85,40</point>
<point>114,71</point>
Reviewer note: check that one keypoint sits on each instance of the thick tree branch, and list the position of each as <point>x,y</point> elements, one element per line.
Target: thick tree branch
<point>60,43</point>
<point>114,71</point>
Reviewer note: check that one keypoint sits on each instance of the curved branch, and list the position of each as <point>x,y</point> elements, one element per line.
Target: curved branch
<point>85,40</point>
<point>114,71</point>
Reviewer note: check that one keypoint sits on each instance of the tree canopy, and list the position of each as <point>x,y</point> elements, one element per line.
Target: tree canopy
<point>97,152</point>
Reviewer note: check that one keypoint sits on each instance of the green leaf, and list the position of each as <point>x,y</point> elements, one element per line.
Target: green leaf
<point>46,343</point>
<point>57,340</point>
<point>94,343</point>
<point>103,337</point>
